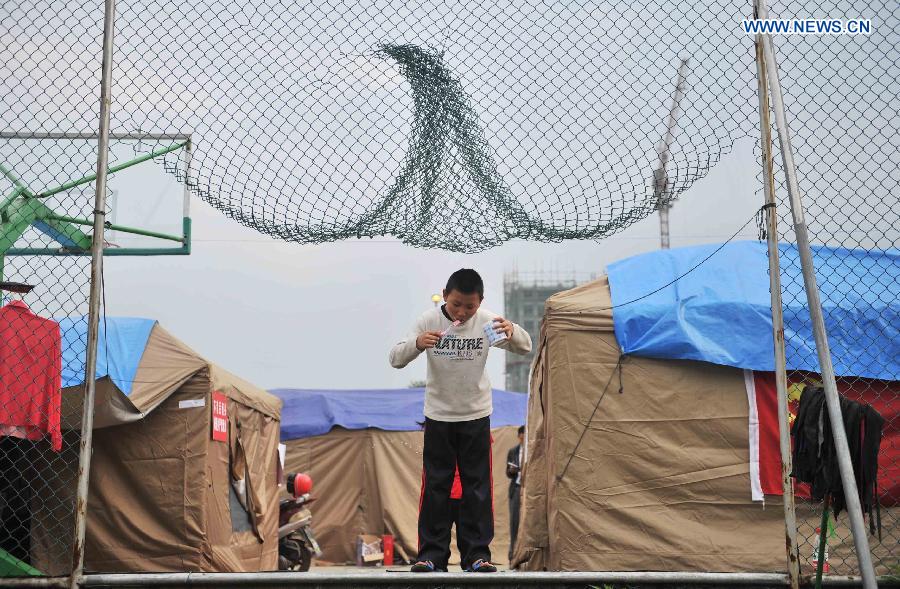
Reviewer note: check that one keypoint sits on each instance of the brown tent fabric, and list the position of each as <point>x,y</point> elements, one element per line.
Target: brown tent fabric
<point>166,364</point>
<point>660,479</point>
<point>160,496</point>
<point>369,482</point>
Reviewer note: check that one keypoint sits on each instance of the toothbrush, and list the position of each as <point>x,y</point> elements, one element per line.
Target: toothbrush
<point>452,325</point>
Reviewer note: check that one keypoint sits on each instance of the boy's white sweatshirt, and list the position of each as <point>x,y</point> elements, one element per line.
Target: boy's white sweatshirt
<point>457,388</point>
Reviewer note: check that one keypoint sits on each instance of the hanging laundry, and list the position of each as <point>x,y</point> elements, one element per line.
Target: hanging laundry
<point>30,375</point>
<point>765,456</point>
<point>815,454</point>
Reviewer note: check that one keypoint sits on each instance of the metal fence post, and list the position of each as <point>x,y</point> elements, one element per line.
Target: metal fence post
<point>87,418</point>
<point>854,509</point>
<point>784,436</point>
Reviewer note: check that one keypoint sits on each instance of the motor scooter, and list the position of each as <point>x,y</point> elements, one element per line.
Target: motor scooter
<point>296,542</point>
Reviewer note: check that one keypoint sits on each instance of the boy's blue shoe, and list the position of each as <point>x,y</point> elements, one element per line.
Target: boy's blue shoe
<point>482,566</point>
<point>423,566</point>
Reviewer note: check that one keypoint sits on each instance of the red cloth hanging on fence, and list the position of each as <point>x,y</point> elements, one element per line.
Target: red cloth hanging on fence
<point>883,396</point>
<point>30,375</point>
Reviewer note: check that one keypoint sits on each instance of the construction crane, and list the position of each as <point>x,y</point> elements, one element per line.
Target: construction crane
<point>660,177</point>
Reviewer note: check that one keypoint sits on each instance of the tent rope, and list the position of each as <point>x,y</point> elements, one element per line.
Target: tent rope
<point>587,425</point>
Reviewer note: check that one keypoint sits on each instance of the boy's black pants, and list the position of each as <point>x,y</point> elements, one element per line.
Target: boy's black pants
<point>468,444</point>
<point>461,543</point>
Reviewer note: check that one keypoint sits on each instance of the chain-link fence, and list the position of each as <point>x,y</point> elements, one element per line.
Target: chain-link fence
<point>38,445</point>
<point>841,100</point>
<point>45,234</point>
<point>443,123</point>
<point>43,343</point>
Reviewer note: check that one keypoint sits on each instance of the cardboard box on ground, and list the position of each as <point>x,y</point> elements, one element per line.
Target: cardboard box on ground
<point>369,550</point>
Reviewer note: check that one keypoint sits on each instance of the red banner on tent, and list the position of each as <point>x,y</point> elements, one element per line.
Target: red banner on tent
<point>883,396</point>
<point>219,417</point>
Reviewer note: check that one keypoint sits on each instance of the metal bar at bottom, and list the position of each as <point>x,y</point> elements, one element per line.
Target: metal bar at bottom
<point>406,579</point>
<point>87,417</point>
<point>29,582</point>
<point>784,435</point>
<point>832,400</point>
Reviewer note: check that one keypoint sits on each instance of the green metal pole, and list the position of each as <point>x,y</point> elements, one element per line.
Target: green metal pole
<point>823,538</point>
<point>27,212</point>
<point>3,224</point>
<point>8,173</point>
<point>113,227</point>
<point>16,221</point>
<point>186,229</point>
<point>16,193</point>
<point>111,170</point>
<point>184,250</point>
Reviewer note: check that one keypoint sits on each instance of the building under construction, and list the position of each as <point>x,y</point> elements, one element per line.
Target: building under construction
<point>524,295</point>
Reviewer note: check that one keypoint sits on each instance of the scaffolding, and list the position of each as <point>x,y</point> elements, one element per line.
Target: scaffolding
<point>524,295</point>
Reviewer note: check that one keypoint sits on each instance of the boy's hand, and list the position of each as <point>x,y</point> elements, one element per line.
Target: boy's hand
<point>501,324</point>
<point>427,340</point>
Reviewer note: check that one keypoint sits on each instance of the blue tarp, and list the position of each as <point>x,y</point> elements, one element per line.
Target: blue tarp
<point>119,349</point>
<point>309,413</point>
<point>721,312</point>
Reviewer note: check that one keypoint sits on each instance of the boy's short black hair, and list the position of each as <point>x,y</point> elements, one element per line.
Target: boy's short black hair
<point>521,429</point>
<point>466,281</point>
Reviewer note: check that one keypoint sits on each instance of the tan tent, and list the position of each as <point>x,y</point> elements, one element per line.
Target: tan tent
<point>368,481</point>
<point>660,479</point>
<point>161,495</point>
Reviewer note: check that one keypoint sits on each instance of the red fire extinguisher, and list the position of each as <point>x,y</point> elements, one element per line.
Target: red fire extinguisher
<point>387,548</point>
